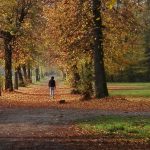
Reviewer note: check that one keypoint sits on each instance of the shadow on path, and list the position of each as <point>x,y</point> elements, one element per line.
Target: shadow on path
<point>72,143</point>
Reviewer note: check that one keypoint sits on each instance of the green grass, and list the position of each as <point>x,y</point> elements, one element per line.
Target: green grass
<point>138,89</point>
<point>130,127</point>
<point>145,84</point>
<point>135,93</point>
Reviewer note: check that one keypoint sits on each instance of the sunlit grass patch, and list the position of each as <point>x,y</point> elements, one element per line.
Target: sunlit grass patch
<point>142,84</point>
<point>129,89</point>
<point>135,127</point>
<point>135,93</point>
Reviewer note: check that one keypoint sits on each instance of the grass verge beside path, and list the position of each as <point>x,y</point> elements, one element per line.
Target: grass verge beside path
<point>129,127</point>
<point>144,84</point>
<point>129,89</point>
<point>133,93</point>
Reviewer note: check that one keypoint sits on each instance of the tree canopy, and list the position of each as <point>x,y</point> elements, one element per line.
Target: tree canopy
<point>89,41</point>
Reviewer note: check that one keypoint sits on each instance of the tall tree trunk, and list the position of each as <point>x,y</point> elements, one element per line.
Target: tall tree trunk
<point>0,91</point>
<point>25,72</point>
<point>1,88</point>
<point>42,74</point>
<point>64,75</point>
<point>118,4</point>
<point>16,85</point>
<point>21,81</point>
<point>86,81</point>
<point>147,41</point>
<point>8,63</point>
<point>76,79</point>
<point>29,74</point>
<point>100,77</point>
<point>37,74</point>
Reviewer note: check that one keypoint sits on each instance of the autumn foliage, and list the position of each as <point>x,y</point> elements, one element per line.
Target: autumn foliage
<point>73,36</point>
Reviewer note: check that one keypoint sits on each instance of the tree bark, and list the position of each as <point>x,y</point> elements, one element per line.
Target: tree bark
<point>118,4</point>
<point>76,76</point>
<point>0,88</point>
<point>42,74</point>
<point>0,91</point>
<point>64,75</point>
<point>25,72</point>
<point>21,81</point>
<point>29,74</point>
<point>37,74</point>
<point>147,42</point>
<point>75,79</point>
<point>16,85</point>
<point>21,12</point>
<point>8,63</point>
<point>86,81</point>
<point>101,90</point>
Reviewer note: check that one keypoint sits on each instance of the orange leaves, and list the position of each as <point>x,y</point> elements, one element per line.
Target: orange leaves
<point>122,32</point>
<point>70,28</point>
<point>37,96</point>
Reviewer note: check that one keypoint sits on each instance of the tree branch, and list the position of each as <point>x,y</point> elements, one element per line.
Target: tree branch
<point>5,35</point>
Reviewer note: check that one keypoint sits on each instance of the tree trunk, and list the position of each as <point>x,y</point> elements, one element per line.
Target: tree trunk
<point>0,91</point>
<point>8,63</point>
<point>37,74</point>
<point>147,41</point>
<point>64,75</point>
<point>118,4</point>
<point>25,72</point>
<point>16,85</point>
<point>101,90</point>
<point>86,81</point>
<point>1,88</point>
<point>21,81</point>
<point>42,74</point>
<point>76,76</point>
<point>29,75</point>
<point>76,79</point>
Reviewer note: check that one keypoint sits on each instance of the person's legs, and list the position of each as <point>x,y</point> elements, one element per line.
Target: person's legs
<point>52,91</point>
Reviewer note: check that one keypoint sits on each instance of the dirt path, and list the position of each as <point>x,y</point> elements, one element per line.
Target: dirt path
<point>52,129</point>
<point>29,119</point>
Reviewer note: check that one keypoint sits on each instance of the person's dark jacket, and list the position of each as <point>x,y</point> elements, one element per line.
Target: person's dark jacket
<point>52,83</point>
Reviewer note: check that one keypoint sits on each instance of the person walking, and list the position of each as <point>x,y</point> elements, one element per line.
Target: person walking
<point>52,86</point>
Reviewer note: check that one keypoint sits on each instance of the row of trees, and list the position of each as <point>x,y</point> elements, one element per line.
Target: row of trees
<point>138,72</point>
<point>87,39</point>
<point>85,35</point>
<point>21,25</point>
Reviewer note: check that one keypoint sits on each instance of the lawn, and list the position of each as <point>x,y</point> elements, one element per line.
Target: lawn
<point>144,84</point>
<point>129,89</point>
<point>129,127</point>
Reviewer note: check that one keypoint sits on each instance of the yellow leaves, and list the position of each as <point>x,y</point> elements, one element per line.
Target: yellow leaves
<point>27,24</point>
<point>111,3</point>
<point>7,14</point>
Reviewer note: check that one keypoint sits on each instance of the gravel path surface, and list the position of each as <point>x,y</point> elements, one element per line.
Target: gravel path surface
<point>52,129</point>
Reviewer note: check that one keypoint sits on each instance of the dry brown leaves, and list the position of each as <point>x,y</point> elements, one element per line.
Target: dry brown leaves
<point>37,96</point>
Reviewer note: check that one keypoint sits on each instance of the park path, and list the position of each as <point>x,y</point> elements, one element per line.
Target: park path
<point>51,127</point>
